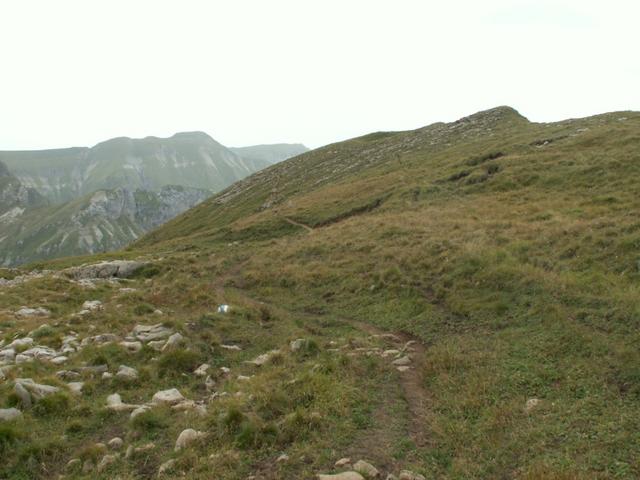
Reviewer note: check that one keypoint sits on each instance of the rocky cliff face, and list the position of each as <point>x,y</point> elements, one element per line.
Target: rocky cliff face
<point>14,195</point>
<point>102,221</point>
<point>191,159</point>
<point>76,201</point>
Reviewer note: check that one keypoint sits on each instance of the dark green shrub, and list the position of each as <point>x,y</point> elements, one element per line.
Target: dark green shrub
<point>54,404</point>
<point>178,361</point>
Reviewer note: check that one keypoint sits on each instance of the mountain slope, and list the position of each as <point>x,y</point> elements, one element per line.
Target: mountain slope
<point>270,154</point>
<point>191,159</point>
<point>509,247</point>
<point>460,301</point>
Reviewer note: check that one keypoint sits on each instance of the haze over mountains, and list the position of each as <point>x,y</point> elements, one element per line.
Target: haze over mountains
<point>85,200</point>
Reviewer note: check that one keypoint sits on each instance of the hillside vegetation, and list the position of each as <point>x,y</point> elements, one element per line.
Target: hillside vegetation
<point>509,250</point>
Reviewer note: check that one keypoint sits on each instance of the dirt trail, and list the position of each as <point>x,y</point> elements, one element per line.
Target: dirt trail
<point>298,224</point>
<point>412,381</point>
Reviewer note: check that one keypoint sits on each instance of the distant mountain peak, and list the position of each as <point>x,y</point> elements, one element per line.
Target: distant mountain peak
<point>496,114</point>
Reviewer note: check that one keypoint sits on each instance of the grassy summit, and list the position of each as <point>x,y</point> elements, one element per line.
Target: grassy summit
<point>509,249</point>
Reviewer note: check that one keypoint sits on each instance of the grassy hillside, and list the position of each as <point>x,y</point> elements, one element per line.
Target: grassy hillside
<point>508,249</point>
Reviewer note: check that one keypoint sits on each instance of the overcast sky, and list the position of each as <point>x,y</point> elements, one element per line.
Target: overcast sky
<point>76,72</point>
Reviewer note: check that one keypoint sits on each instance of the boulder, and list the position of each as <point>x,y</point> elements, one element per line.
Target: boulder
<point>115,268</point>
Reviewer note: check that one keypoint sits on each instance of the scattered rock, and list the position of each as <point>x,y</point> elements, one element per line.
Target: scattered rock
<point>341,476</point>
<point>402,361</point>
<point>8,414</point>
<point>107,376</point>
<point>173,341</point>
<point>92,305</point>
<point>188,437</point>
<point>343,463</point>
<point>133,347</point>
<point>297,344</point>
<point>59,360</point>
<point>36,390</point>
<point>114,402</point>
<point>366,469</point>
<point>23,395</point>
<point>115,268</point>
<point>115,443</point>
<point>138,411</point>
<point>106,461</point>
<point>531,404</point>
<point>224,308</point>
<point>75,387</point>
<point>264,358</point>
<point>201,371</point>
<point>408,475</point>
<point>26,312</point>
<point>168,397</point>
<point>147,333</point>
<point>231,347</point>
<point>282,458</point>
<point>166,467</point>
<point>403,368</point>
<point>127,373</point>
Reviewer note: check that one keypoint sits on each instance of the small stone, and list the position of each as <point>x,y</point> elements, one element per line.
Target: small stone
<point>297,344</point>
<point>138,411</point>
<point>107,375</point>
<point>157,344</point>
<point>531,404</point>
<point>73,464</point>
<point>166,467</point>
<point>409,475</point>
<point>59,360</point>
<point>264,358</point>
<point>282,458</point>
<point>8,414</point>
<point>390,353</point>
<point>188,437</point>
<point>92,305</point>
<point>403,368</point>
<point>243,378</point>
<point>366,469</point>
<point>201,371</point>
<point>115,443</point>
<point>106,461</point>
<point>342,463</point>
<point>88,466</point>
<point>75,387</point>
<point>231,347</point>
<point>402,361</point>
<point>132,347</point>
<point>341,476</point>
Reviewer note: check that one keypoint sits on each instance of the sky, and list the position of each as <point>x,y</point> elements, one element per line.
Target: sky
<point>77,72</point>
